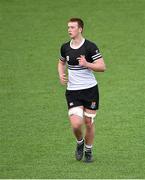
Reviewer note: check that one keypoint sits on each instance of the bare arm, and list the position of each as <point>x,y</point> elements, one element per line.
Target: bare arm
<point>61,72</point>
<point>98,65</point>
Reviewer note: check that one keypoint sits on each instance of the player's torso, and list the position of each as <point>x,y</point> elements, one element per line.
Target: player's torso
<point>79,77</point>
<point>73,54</point>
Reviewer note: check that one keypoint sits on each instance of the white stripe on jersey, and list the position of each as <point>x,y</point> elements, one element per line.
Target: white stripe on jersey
<point>96,55</point>
<point>76,67</point>
<point>62,58</point>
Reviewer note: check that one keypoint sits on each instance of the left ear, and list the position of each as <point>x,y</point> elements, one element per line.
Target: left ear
<point>80,30</point>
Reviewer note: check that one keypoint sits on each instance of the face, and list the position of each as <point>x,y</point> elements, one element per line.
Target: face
<point>73,29</point>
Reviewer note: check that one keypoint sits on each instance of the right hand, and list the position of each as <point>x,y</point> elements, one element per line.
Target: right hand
<point>63,79</point>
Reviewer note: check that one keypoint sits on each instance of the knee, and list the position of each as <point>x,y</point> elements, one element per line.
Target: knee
<point>76,122</point>
<point>76,125</point>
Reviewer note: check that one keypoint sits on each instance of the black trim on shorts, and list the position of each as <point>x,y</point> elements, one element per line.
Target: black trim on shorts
<point>88,98</point>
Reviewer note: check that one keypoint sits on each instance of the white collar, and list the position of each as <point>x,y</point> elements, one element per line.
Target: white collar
<point>77,47</point>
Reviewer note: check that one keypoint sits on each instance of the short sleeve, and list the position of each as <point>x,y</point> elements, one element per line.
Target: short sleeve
<point>62,53</point>
<point>94,52</point>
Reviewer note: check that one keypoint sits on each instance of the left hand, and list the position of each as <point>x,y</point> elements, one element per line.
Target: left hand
<point>82,61</point>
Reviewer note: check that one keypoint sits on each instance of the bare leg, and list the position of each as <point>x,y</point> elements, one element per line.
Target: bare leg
<point>90,131</point>
<point>76,123</point>
<point>90,128</point>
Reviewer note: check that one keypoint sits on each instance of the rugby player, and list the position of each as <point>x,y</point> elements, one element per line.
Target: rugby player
<point>81,57</point>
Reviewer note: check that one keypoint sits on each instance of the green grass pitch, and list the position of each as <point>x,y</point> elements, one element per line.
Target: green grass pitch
<point>35,136</point>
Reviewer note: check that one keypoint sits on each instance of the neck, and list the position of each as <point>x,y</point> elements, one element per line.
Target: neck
<point>77,40</point>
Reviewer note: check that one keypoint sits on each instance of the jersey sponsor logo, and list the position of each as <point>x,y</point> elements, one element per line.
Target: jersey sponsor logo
<point>71,103</point>
<point>93,105</point>
<point>97,51</point>
<point>67,58</point>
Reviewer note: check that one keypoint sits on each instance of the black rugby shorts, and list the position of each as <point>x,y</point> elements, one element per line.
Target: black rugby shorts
<point>88,98</point>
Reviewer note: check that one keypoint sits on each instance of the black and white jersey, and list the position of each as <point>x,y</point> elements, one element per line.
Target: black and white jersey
<point>80,77</point>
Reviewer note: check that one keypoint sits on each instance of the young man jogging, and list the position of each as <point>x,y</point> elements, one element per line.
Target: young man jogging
<point>81,57</point>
